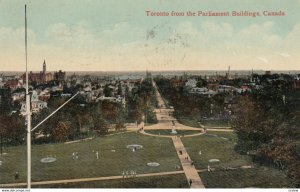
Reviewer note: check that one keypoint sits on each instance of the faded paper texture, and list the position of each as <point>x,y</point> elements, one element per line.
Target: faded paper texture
<point>149,94</point>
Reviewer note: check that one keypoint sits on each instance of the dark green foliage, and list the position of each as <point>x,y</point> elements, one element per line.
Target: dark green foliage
<point>5,100</point>
<point>201,83</point>
<point>267,124</point>
<point>190,107</point>
<point>107,91</point>
<point>142,101</point>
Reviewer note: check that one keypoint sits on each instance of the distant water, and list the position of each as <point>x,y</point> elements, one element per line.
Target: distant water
<point>139,74</point>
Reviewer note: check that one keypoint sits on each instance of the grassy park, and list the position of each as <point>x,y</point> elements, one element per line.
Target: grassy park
<point>220,145</point>
<point>214,145</point>
<point>188,120</point>
<point>260,177</point>
<point>114,158</point>
<point>167,181</point>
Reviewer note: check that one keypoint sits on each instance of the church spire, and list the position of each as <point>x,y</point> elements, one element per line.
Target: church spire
<point>44,67</point>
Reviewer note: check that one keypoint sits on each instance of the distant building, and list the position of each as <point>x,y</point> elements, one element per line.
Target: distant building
<point>191,83</point>
<point>268,73</point>
<point>224,88</point>
<point>213,86</point>
<point>60,76</point>
<point>176,82</point>
<point>44,77</point>
<point>41,77</point>
<point>13,84</point>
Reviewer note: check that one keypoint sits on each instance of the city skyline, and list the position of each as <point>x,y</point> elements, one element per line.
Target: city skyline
<point>119,36</point>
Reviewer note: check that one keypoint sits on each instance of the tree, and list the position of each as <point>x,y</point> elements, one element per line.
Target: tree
<point>109,110</point>
<point>100,125</point>
<point>3,132</point>
<point>247,121</point>
<point>62,131</point>
<point>5,100</point>
<point>201,83</point>
<point>107,91</point>
<point>120,126</point>
<point>119,91</point>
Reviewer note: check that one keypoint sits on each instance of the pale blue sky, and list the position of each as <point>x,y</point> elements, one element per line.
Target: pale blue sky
<point>117,35</point>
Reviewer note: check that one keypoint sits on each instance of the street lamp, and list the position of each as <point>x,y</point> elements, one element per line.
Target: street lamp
<point>28,113</point>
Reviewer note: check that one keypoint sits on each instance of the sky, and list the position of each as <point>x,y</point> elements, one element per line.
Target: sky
<point>117,35</point>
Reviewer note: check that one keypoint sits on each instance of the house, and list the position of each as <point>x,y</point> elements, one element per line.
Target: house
<point>18,96</point>
<point>199,90</point>
<point>225,88</point>
<point>191,83</point>
<point>176,82</point>
<point>13,84</point>
<point>210,93</point>
<point>117,99</point>
<point>36,106</point>
<point>213,86</point>
<point>245,88</point>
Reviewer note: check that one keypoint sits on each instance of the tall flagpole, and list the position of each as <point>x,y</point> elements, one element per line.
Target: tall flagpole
<point>28,113</point>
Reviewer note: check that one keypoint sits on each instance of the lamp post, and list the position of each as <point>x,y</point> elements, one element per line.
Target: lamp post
<point>28,113</point>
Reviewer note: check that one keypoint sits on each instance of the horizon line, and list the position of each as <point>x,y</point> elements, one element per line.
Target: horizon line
<point>179,70</point>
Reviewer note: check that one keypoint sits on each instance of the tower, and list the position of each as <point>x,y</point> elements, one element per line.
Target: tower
<point>44,67</point>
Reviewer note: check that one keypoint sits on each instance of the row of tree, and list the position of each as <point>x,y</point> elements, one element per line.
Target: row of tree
<point>190,105</point>
<point>142,101</point>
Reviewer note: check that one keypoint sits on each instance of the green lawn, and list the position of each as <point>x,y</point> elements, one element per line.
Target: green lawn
<point>168,132</point>
<point>194,121</point>
<point>215,123</point>
<point>222,134</point>
<point>168,181</point>
<point>188,121</point>
<point>260,177</point>
<point>215,145</point>
<point>220,145</point>
<point>110,163</point>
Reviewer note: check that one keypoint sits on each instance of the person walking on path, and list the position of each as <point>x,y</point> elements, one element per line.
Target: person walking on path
<point>16,175</point>
<point>191,182</point>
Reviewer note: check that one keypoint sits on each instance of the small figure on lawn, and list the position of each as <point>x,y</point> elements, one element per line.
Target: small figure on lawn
<point>16,175</point>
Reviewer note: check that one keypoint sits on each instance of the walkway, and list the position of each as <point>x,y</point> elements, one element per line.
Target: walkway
<point>165,119</point>
<point>89,179</point>
<point>186,162</point>
<point>63,181</point>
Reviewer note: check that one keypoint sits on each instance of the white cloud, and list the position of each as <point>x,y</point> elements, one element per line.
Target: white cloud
<point>286,55</point>
<point>122,46</point>
<point>263,59</point>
